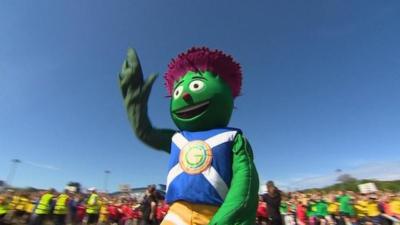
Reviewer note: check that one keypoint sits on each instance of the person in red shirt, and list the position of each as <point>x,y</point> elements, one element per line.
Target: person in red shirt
<point>301,213</point>
<point>136,211</point>
<point>80,210</point>
<point>162,209</point>
<point>130,215</point>
<point>262,214</point>
<point>113,212</point>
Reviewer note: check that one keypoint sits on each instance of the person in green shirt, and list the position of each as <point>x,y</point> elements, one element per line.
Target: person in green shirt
<point>283,209</point>
<point>288,209</point>
<point>344,204</point>
<point>311,210</point>
<point>346,210</point>
<point>321,207</point>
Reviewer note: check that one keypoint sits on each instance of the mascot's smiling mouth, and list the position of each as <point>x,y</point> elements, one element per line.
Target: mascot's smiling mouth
<point>193,110</point>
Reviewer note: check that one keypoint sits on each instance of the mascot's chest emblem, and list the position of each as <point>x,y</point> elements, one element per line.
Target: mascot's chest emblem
<point>195,157</point>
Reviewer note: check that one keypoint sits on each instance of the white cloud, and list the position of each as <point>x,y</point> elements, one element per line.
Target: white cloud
<point>372,170</point>
<point>378,170</point>
<point>42,166</point>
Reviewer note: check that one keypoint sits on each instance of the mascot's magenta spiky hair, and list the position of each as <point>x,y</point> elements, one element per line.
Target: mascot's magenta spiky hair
<point>204,59</point>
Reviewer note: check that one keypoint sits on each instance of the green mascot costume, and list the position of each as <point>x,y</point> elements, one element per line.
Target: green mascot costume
<point>212,178</point>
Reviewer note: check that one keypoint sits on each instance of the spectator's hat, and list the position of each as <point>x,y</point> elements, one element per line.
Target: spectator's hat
<point>92,189</point>
<point>71,189</point>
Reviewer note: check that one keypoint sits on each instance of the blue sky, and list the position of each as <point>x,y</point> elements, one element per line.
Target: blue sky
<point>321,86</point>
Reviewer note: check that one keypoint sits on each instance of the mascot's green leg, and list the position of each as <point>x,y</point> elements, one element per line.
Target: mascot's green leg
<point>240,205</point>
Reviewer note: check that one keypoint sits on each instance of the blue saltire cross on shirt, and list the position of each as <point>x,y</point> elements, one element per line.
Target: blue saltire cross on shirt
<point>200,166</point>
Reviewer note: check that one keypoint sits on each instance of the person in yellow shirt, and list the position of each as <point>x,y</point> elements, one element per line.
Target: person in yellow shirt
<point>43,208</point>
<point>361,208</point>
<point>30,206</point>
<point>92,206</point>
<point>394,205</point>
<point>103,218</point>
<point>333,209</point>
<point>14,200</point>
<point>12,203</point>
<point>373,211</point>
<point>3,209</point>
<point>60,210</point>
<point>20,214</point>
<point>333,205</point>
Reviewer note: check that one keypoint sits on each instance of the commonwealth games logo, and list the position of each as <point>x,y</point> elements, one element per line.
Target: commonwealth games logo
<point>195,157</point>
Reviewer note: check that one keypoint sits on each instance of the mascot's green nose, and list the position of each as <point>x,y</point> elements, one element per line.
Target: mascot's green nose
<point>187,97</point>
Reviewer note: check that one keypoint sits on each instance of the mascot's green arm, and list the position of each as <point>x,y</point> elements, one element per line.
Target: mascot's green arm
<point>240,204</point>
<point>136,93</point>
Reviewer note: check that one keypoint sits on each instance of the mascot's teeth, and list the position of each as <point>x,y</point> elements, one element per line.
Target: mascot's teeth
<point>190,108</point>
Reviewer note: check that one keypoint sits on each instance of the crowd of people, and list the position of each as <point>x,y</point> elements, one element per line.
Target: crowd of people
<point>274,208</point>
<point>70,207</point>
<point>333,208</point>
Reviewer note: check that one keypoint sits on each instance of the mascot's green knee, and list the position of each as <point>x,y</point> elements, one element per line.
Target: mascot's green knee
<point>211,165</point>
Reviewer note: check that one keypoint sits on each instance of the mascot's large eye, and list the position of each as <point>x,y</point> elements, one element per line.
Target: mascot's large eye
<point>178,91</point>
<point>196,85</point>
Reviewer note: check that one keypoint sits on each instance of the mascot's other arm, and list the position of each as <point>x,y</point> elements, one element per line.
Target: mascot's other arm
<point>136,94</point>
<point>240,204</point>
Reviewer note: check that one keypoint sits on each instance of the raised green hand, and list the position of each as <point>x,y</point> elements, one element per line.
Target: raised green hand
<point>135,92</point>
<point>131,77</point>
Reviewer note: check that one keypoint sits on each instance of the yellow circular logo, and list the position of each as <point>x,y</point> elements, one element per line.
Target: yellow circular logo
<point>195,157</point>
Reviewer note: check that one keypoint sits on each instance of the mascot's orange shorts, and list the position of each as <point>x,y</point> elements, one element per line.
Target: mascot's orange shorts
<point>184,213</point>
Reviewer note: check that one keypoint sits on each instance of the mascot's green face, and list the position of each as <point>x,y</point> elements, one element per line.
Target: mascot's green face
<point>201,101</point>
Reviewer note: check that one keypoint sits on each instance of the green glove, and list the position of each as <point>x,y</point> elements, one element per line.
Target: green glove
<point>136,93</point>
<point>240,204</point>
